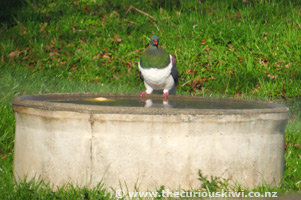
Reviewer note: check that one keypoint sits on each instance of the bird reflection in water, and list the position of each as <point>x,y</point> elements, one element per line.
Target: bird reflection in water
<point>149,103</point>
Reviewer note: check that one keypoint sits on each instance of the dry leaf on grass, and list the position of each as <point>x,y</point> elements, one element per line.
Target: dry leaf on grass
<point>14,54</point>
<point>264,61</point>
<point>43,27</point>
<point>116,38</point>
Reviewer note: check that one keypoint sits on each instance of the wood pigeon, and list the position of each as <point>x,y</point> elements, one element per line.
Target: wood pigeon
<point>157,69</point>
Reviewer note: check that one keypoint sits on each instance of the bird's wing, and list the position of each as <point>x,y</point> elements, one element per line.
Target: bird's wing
<point>141,76</point>
<point>174,70</point>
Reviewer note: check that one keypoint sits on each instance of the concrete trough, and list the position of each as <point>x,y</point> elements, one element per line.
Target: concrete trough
<point>63,139</point>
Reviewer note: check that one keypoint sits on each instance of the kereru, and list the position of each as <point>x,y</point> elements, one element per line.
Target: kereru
<point>157,69</point>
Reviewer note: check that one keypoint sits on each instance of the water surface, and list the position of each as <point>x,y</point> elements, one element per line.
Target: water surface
<point>172,103</point>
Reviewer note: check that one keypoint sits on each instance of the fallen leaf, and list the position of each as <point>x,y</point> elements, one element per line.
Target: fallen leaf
<point>105,55</point>
<point>130,66</point>
<point>103,21</point>
<point>27,49</point>
<point>277,64</point>
<point>87,9</point>
<point>286,145</point>
<point>203,42</point>
<point>14,54</point>
<point>83,40</point>
<point>31,65</point>
<point>264,61</point>
<point>288,65</point>
<point>53,53</point>
<point>238,15</point>
<point>207,50</point>
<point>232,48</point>
<point>254,90</point>
<point>200,80</point>
<point>2,58</point>
<point>102,55</point>
<point>195,85</point>
<point>25,58</point>
<point>54,50</point>
<point>272,76</point>
<point>74,67</point>
<point>204,79</point>
<point>191,71</point>
<point>53,41</point>
<point>22,29</point>
<point>116,38</point>
<point>240,59</point>
<point>43,27</point>
<point>46,47</point>
<point>298,146</point>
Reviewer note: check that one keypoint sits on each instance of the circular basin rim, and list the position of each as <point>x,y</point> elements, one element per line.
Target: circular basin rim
<point>43,101</point>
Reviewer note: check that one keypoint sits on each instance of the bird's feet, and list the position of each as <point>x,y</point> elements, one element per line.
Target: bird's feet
<point>142,93</point>
<point>165,96</point>
<point>141,96</point>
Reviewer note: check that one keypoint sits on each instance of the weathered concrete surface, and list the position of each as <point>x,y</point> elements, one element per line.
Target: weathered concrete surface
<point>147,147</point>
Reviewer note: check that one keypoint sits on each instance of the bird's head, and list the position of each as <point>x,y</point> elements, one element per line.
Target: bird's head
<point>154,41</point>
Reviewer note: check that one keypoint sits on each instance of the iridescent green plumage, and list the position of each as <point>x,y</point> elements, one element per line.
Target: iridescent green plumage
<point>154,56</point>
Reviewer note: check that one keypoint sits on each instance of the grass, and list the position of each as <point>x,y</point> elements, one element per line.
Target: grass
<point>223,48</point>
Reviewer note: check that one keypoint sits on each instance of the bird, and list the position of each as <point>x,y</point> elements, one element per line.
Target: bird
<point>157,69</point>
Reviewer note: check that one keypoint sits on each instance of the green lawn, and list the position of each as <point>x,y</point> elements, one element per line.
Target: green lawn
<point>241,49</point>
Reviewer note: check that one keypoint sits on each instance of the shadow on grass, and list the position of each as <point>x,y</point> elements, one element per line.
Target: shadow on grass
<point>9,8</point>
